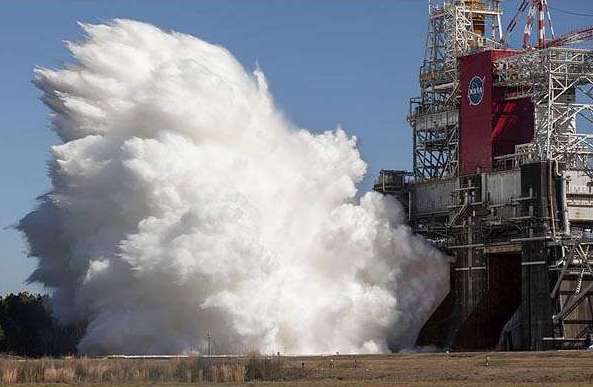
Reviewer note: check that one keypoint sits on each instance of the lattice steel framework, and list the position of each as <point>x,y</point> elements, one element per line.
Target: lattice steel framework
<point>559,81</point>
<point>574,289</point>
<point>456,28</point>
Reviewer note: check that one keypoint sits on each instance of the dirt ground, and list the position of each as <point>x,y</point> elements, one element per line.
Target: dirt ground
<point>557,368</point>
<point>488,369</point>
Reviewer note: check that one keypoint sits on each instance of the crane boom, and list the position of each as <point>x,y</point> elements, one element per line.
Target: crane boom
<point>572,37</point>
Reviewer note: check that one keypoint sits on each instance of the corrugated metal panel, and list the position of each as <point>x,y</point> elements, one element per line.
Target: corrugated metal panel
<point>437,120</point>
<point>501,187</point>
<point>579,183</point>
<point>579,193</point>
<point>434,195</point>
<point>580,214</point>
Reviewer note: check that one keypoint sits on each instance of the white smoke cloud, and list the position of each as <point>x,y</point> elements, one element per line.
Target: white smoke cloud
<point>183,202</point>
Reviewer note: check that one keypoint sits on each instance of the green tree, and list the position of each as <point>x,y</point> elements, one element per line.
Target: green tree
<point>23,317</point>
<point>29,329</point>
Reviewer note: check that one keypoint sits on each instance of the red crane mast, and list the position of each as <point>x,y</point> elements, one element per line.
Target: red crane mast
<point>542,10</point>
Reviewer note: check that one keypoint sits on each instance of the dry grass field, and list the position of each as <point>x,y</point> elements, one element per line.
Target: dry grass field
<point>555,368</point>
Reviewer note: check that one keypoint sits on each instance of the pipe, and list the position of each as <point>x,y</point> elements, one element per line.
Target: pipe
<point>470,246</point>
<point>565,221</point>
<point>542,238</point>
<point>409,205</point>
<point>550,200</point>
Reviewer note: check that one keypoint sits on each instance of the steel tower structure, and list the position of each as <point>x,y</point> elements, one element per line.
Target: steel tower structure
<point>502,180</point>
<point>456,28</point>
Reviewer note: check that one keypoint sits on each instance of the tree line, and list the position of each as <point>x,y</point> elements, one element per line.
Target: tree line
<point>27,328</point>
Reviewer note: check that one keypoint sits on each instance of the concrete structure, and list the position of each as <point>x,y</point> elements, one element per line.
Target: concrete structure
<point>503,182</point>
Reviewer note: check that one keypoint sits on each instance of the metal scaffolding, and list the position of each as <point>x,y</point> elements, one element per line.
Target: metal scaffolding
<point>519,224</point>
<point>573,290</point>
<point>456,28</point>
<point>559,82</point>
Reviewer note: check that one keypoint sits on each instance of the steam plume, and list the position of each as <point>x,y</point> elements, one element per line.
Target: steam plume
<point>183,202</point>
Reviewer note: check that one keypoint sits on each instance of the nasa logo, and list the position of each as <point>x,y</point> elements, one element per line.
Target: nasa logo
<point>475,91</point>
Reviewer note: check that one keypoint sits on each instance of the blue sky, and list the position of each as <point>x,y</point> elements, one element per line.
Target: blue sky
<point>327,61</point>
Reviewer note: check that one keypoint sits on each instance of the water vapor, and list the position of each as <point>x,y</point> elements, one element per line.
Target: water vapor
<point>183,203</point>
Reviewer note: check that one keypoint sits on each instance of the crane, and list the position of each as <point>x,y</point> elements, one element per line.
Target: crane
<point>542,10</point>
<point>572,37</point>
<point>533,7</point>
